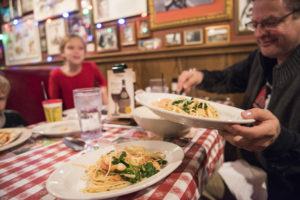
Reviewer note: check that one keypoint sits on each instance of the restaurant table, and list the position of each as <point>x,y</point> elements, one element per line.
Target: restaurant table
<point>24,176</point>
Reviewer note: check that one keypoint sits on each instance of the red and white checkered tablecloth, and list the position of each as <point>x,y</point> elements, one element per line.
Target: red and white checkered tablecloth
<point>24,176</point>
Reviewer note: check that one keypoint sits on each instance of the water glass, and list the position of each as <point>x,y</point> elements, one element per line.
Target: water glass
<point>88,103</point>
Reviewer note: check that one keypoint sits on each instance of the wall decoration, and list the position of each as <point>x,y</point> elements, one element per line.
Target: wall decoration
<point>43,45</point>
<point>217,34</point>
<point>55,32</point>
<point>143,29</point>
<point>127,34</point>
<point>26,6</point>
<point>173,39</point>
<point>107,10</point>
<point>15,8</point>
<point>5,12</point>
<point>193,37</point>
<point>150,44</point>
<point>168,14</point>
<point>49,8</point>
<point>21,44</point>
<point>107,39</point>
<point>243,15</point>
<point>81,25</point>
<point>42,29</point>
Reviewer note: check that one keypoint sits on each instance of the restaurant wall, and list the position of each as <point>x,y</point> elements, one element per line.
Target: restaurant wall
<point>170,60</point>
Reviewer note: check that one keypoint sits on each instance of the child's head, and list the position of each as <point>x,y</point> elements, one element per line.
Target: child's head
<point>66,39</point>
<point>73,49</point>
<point>4,91</point>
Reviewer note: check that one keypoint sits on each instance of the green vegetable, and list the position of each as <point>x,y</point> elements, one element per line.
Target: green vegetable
<point>178,102</point>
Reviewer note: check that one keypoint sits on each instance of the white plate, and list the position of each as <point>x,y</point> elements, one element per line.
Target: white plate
<point>228,114</point>
<point>24,135</point>
<point>60,128</point>
<point>65,182</point>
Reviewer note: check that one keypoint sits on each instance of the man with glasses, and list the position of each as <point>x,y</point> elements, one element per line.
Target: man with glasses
<point>270,79</point>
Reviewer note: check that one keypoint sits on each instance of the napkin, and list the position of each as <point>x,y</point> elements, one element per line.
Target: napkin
<point>246,182</point>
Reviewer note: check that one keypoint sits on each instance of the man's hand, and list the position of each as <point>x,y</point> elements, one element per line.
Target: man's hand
<point>265,130</point>
<point>189,79</point>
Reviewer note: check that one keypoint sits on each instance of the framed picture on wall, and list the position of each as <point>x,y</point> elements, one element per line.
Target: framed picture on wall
<point>217,34</point>
<point>108,10</point>
<point>55,32</point>
<point>50,8</point>
<point>143,29</point>
<point>26,6</point>
<point>173,39</point>
<point>243,15</point>
<point>127,34</point>
<point>107,39</point>
<point>193,37</point>
<point>15,8</point>
<point>22,44</point>
<point>170,13</point>
<point>81,25</point>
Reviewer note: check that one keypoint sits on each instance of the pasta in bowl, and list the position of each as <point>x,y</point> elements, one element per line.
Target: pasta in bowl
<point>223,115</point>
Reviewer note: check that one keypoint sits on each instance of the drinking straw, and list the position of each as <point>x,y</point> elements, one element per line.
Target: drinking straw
<point>44,91</point>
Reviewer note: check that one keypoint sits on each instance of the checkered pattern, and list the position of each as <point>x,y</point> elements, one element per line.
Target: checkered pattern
<point>24,176</point>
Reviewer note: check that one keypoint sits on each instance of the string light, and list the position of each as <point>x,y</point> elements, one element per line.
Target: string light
<point>99,25</point>
<point>49,20</point>
<point>15,22</point>
<point>144,14</point>
<point>121,21</point>
<point>49,59</point>
<point>65,15</point>
<point>85,11</point>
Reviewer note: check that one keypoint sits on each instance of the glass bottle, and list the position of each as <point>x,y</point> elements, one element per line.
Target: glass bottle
<point>124,102</point>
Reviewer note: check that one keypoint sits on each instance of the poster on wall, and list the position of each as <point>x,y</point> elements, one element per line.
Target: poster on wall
<point>55,32</point>
<point>49,8</point>
<point>107,10</point>
<point>21,45</point>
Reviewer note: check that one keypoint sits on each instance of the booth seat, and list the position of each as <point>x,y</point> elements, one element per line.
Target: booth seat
<point>26,94</point>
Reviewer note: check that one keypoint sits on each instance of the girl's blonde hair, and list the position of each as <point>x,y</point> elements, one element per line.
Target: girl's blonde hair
<point>66,39</point>
<point>4,86</point>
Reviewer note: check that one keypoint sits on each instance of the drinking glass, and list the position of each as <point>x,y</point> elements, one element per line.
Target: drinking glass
<point>88,103</point>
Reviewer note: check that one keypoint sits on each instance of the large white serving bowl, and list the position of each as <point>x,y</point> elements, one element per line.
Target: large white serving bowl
<point>149,121</point>
<point>227,114</point>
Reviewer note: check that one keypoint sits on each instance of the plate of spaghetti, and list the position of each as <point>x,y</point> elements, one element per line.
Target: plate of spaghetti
<point>115,170</point>
<point>191,111</point>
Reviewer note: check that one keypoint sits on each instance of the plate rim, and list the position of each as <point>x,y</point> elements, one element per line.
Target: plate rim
<point>56,133</point>
<point>157,109</point>
<point>24,135</point>
<point>101,195</point>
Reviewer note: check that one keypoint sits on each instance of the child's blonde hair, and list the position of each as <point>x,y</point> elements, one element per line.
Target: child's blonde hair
<point>66,39</point>
<point>4,86</point>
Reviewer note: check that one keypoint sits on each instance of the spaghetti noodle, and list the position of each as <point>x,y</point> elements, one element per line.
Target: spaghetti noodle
<point>188,106</point>
<point>121,168</point>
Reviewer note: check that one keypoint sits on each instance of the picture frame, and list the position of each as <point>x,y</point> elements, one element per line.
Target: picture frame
<point>150,44</point>
<point>217,34</point>
<point>108,10</point>
<point>26,6</point>
<point>127,34</point>
<point>107,39</point>
<point>15,8</point>
<point>243,16</point>
<point>192,37</point>
<point>22,45</point>
<point>173,39</point>
<point>81,25</point>
<point>51,8</point>
<point>55,32</point>
<point>143,28</point>
<point>198,13</point>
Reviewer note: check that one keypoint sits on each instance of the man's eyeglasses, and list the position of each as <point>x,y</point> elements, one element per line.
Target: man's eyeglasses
<point>269,23</point>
